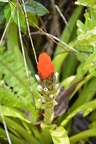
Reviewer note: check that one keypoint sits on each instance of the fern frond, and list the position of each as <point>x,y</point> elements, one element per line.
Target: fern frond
<point>15,77</point>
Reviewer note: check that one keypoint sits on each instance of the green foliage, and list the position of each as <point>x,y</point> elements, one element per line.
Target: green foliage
<point>15,92</point>
<point>2,8</point>
<point>61,54</point>
<point>89,106</point>
<point>83,135</point>
<point>16,102</point>
<point>4,0</point>
<point>59,136</point>
<point>20,130</point>
<point>10,10</point>
<point>35,8</point>
<point>88,3</point>
<point>14,73</point>
<point>85,43</point>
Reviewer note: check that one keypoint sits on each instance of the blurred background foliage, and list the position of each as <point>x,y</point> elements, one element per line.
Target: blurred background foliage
<point>71,43</point>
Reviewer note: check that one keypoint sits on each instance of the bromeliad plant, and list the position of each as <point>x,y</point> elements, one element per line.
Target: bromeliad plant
<point>48,86</point>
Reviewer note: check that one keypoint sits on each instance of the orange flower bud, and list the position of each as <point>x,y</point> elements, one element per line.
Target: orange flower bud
<point>45,66</point>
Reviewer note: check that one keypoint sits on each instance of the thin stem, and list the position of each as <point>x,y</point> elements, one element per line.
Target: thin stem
<point>7,25</point>
<point>43,32</point>
<point>29,31</point>
<point>55,38</point>
<point>5,126</point>
<point>62,16</point>
<point>22,47</point>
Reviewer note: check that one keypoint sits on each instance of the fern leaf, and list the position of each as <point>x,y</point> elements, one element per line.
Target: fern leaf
<point>15,77</point>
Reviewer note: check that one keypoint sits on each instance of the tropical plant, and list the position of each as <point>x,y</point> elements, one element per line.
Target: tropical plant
<point>23,98</point>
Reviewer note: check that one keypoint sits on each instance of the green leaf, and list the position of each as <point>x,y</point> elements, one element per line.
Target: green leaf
<point>86,94</point>
<point>13,138</point>
<point>87,38</point>
<point>29,138</point>
<point>70,69</point>
<point>86,106</point>
<point>88,25</point>
<point>11,11</point>
<point>66,82</point>
<point>88,3</point>
<point>32,19</point>
<point>21,16</point>
<point>35,8</point>
<point>60,55</point>
<point>4,0</point>
<point>13,69</point>
<point>7,12</point>
<point>87,31</point>
<point>83,135</point>
<point>45,137</point>
<point>13,112</point>
<point>91,62</point>
<point>86,79</point>
<point>59,136</point>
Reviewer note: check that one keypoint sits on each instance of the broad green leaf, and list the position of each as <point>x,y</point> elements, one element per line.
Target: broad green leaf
<point>35,8</point>
<point>59,136</point>
<point>83,135</point>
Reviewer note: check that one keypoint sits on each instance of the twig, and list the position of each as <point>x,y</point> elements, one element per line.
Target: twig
<point>29,31</point>
<point>44,33</point>
<point>62,16</point>
<point>55,38</point>
<point>5,126</point>
<point>26,67</point>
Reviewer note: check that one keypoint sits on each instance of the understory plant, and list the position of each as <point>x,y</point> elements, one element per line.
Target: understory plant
<point>44,99</point>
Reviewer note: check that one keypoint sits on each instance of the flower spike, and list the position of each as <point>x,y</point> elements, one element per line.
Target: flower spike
<point>48,86</point>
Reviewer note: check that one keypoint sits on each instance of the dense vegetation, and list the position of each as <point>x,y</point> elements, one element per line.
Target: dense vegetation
<point>66,30</point>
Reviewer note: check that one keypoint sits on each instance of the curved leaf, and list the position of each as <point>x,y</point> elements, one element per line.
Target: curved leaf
<point>83,135</point>
<point>59,136</point>
<point>13,138</point>
<point>87,106</point>
<point>13,112</point>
